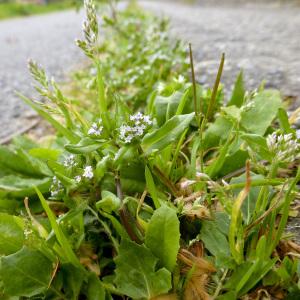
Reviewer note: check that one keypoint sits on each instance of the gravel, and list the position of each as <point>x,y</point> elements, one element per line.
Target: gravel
<point>47,39</point>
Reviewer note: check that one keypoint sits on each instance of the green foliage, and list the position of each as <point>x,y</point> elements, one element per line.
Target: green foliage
<point>137,195</point>
<point>162,236</point>
<point>135,272</point>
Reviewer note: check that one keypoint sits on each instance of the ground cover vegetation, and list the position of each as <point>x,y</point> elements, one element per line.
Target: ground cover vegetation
<point>9,9</point>
<point>153,187</point>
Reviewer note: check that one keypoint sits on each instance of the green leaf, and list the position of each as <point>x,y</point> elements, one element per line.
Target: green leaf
<point>86,145</point>
<point>25,273</point>
<point>95,289</point>
<point>167,134</point>
<point>63,241</point>
<point>258,144</point>
<point>214,240</point>
<point>45,153</point>
<point>163,235</point>
<point>238,93</point>
<point>11,234</point>
<point>19,161</point>
<point>136,276</point>
<point>73,279</point>
<point>109,202</point>
<point>151,187</point>
<point>217,132</point>
<point>265,107</point>
<point>15,186</point>
<point>284,121</point>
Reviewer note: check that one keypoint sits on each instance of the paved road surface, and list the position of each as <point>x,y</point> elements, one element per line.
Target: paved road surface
<point>49,40</point>
<point>264,40</point>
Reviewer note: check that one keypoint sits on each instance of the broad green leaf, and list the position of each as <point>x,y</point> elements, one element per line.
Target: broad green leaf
<point>26,273</point>
<point>95,289</point>
<point>238,93</point>
<point>167,134</point>
<point>15,186</point>
<point>73,279</point>
<point>136,276</point>
<point>163,235</point>
<point>166,107</point>
<point>86,145</point>
<point>20,162</point>
<point>109,202</point>
<point>214,240</point>
<point>258,144</point>
<point>217,132</point>
<point>45,153</point>
<point>9,205</point>
<point>11,234</point>
<point>260,116</point>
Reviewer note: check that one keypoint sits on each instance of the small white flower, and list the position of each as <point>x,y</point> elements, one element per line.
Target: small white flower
<point>139,124</point>
<point>77,178</point>
<point>27,232</point>
<point>96,128</point>
<point>160,87</point>
<point>70,161</point>
<point>56,187</point>
<point>88,172</point>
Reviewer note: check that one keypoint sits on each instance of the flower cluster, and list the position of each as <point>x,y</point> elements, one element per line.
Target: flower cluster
<point>96,128</point>
<point>136,128</point>
<point>284,147</point>
<point>56,187</point>
<point>70,161</point>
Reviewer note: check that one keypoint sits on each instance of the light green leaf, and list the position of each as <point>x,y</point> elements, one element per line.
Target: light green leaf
<point>135,272</point>
<point>86,145</point>
<point>15,186</point>
<point>163,235</point>
<point>11,234</point>
<point>265,107</point>
<point>63,241</point>
<point>167,134</point>
<point>214,240</point>
<point>25,273</point>
<point>238,93</point>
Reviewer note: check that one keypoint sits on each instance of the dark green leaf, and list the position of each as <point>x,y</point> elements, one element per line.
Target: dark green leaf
<point>238,93</point>
<point>86,145</point>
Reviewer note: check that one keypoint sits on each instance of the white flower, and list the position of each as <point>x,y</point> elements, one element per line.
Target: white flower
<point>136,128</point>
<point>88,172</point>
<point>70,161</point>
<point>284,147</point>
<point>96,128</point>
<point>56,187</point>
<point>77,178</point>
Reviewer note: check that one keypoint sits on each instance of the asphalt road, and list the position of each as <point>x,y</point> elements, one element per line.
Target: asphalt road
<point>47,39</point>
<point>263,40</point>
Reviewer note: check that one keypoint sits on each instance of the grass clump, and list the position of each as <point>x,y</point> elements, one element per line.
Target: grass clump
<point>158,190</point>
<point>13,9</point>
